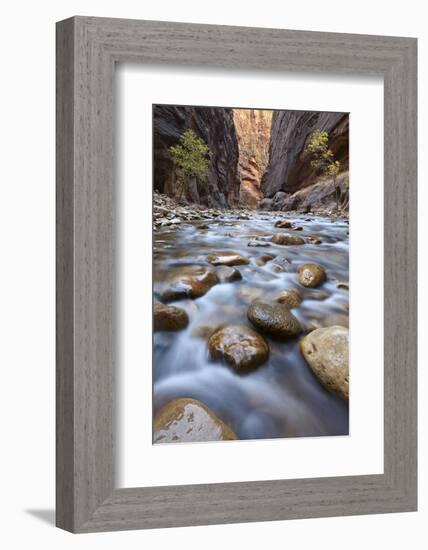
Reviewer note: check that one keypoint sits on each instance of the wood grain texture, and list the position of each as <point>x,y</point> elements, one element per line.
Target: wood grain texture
<point>87,49</point>
<point>64,276</point>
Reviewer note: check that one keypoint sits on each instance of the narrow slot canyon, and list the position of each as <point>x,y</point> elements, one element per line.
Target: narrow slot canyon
<point>253,127</point>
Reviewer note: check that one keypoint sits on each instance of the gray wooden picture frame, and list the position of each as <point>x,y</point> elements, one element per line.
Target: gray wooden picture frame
<point>87,50</point>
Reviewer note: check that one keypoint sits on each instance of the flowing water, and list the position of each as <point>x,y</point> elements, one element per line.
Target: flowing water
<point>282,398</point>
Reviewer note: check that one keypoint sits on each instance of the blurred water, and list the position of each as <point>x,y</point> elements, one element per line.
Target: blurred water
<point>282,398</point>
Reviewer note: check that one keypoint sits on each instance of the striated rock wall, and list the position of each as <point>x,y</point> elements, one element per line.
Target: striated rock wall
<point>253,128</point>
<point>216,127</point>
<point>289,168</point>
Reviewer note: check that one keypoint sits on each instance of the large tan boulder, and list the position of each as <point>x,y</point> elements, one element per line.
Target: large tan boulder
<point>239,346</point>
<point>227,258</point>
<point>326,350</point>
<point>287,238</point>
<point>189,281</point>
<point>189,420</point>
<point>168,318</point>
<point>311,275</point>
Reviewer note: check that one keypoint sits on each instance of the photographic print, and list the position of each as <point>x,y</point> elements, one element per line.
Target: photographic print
<point>250,274</point>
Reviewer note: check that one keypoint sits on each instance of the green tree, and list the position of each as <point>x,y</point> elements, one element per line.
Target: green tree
<point>190,154</point>
<point>323,158</point>
<point>191,157</point>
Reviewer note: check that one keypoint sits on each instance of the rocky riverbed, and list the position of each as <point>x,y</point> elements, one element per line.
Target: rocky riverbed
<point>251,324</point>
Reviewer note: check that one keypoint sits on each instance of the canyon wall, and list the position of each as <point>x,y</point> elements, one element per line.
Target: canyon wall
<point>216,127</point>
<point>253,128</point>
<point>258,157</point>
<point>289,168</point>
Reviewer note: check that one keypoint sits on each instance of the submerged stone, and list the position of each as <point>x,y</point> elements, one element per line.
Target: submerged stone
<point>258,244</point>
<point>227,274</point>
<point>264,259</point>
<point>291,297</point>
<point>313,239</point>
<point>280,264</point>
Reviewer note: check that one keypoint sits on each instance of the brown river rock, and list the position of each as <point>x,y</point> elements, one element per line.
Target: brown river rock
<point>311,275</point>
<point>319,295</point>
<point>276,320</point>
<point>291,297</point>
<point>186,420</point>
<point>240,347</point>
<point>287,238</point>
<point>284,224</point>
<point>187,282</point>
<point>168,318</point>
<point>264,259</point>
<point>342,285</point>
<point>326,352</point>
<point>226,258</point>
<point>313,239</point>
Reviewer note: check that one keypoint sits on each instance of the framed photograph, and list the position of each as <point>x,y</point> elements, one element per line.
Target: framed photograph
<point>236,274</point>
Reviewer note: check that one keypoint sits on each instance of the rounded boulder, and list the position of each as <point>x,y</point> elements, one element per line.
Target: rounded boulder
<point>275,319</point>
<point>169,318</point>
<point>311,275</point>
<point>287,238</point>
<point>187,420</point>
<point>240,347</point>
<point>326,350</point>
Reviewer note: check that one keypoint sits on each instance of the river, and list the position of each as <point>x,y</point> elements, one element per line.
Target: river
<point>282,398</point>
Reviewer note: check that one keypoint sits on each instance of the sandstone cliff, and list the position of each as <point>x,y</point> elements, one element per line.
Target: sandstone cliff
<point>289,168</point>
<point>253,132</point>
<point>216,127</point>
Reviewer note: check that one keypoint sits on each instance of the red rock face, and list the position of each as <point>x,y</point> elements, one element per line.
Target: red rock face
<point>253,132</point>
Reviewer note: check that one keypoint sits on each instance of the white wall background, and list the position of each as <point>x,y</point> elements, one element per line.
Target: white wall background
<point>27,272</point>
